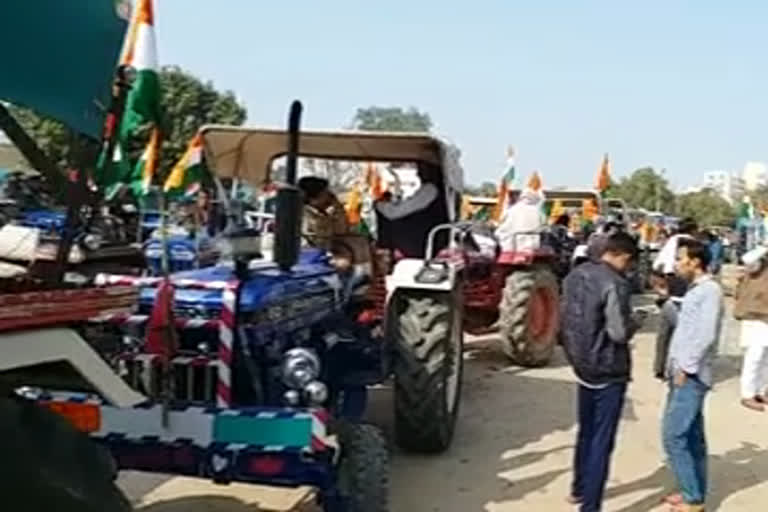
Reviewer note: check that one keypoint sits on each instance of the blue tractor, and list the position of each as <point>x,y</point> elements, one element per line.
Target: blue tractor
<point>262,370</point>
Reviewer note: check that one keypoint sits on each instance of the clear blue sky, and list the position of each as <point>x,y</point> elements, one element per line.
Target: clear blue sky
<point>675,84</point>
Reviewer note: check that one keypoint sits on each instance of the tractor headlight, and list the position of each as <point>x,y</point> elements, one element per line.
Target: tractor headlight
<point>92,242</point>
<point>300,367</point>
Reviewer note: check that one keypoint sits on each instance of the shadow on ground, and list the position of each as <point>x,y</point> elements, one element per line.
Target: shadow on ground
<point>503,410</point>
<point>730,473</point>
<point>211,503</point>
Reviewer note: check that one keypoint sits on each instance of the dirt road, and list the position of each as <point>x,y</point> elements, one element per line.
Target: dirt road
<point>514,445</point>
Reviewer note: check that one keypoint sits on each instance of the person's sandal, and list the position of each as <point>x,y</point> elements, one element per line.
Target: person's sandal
<point>753,403</point>
<point>673,499</point>
<point>688,508</point>
<point>574,500</point>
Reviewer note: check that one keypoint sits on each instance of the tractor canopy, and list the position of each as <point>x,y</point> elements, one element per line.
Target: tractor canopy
<point>61,57</point>
<point>247,153</point>
<point>571,198</point>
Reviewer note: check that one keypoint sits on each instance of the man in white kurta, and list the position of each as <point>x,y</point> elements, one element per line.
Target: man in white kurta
<point>519,226</point>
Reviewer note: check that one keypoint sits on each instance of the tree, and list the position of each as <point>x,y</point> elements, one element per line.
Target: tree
<point>760,197</point>
<point>485,189</point>
<point>392,119</point>
<point>707,207</point>
<point>187,104</point>
<point>645,188</point>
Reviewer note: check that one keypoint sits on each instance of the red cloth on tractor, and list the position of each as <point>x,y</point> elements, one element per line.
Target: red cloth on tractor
<point>161,339</point>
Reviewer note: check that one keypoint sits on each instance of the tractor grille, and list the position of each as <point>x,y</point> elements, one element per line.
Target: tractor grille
<point>193,378</point>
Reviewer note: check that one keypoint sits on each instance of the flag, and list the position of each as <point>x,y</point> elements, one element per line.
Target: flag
<point>147,165</point>
<point>534,182</point>
<point>556,211</point>
<point>589,208</point>
<point>354,204</point>
<point>746,209</point>
<point>603,182</point>
<point>186,177</point>
<point>506,183</point>
<point>160,326</point>
<point>142,103</point>
<point>374,181</point>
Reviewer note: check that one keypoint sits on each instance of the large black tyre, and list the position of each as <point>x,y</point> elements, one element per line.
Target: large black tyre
<point>529,316</point>
<point>428,364</point>
<point>48,465</point>
<point>363,468</point>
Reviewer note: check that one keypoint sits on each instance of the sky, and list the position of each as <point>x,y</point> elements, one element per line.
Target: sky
<point>679,85</point>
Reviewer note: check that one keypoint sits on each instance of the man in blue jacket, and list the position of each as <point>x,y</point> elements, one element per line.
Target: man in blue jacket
<point>596,327</point>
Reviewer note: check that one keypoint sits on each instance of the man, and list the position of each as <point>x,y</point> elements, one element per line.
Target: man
<point>689,372</point>
<point>670,289</point>
<point>525,216</point>
<point>596,329</point>
<point>752,310</point>
<point>406,223</point>
<point>325,224</point>
<point>716,252</point>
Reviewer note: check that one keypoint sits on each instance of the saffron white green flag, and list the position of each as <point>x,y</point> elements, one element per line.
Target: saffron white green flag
<point>142,104</point>
<point>187,175</point>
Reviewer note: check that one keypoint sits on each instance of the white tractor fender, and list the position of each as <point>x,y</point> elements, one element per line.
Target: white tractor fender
<point>404,277</point>
<point>25,348</point>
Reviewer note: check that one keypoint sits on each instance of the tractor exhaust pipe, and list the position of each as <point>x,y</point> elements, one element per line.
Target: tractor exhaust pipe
<point>290,200</point>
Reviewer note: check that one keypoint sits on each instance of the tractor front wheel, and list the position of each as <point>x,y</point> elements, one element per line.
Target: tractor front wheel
<point>529,318</point>
<point>428,365</point>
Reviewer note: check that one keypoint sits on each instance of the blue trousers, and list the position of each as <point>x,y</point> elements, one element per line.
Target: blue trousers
<point>599,415</point>
<point>684,439</point>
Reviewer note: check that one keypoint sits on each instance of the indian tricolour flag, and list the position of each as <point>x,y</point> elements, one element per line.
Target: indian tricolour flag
<point>142,103</point>
<point>187,175</point>
<point>507,182</point>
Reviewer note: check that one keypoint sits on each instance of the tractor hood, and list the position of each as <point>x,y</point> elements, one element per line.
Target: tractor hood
<point>266,286</point>
<point>46,220</point>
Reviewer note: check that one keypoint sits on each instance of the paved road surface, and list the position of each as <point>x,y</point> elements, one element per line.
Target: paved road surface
<point>514,445</point>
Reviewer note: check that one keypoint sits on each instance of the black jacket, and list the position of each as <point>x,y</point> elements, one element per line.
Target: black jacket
<point>596,323</point>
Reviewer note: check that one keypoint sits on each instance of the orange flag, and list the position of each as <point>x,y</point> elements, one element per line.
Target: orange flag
<point>534,182</point>
<point>354,203</point>
<point>603,181</point>
<point>375,182</point>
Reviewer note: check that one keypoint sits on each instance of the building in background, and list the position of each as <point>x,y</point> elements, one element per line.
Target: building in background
<point>755,175</point>
<point>726,184</point>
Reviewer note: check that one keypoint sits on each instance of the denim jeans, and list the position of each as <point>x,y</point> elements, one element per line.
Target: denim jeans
<point>684,439</point>
<point>599,415</point>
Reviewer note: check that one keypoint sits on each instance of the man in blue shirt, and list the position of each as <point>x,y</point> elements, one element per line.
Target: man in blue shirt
<point>689,371</point>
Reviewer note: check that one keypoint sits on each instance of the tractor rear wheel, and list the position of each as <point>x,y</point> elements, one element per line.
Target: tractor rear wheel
<point>428,364</point>
<point>530,313</point>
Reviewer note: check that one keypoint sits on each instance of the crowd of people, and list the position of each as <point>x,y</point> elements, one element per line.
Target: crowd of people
<point>598,324</point>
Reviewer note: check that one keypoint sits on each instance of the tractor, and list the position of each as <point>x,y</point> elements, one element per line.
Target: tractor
<point>266,378</point>
<point>517,290</point>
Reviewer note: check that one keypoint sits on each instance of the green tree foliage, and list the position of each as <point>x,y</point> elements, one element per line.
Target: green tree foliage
<point>485,189</point>
<point>645,188</point>
<point>760,197</point>
<point>708,208</point>
<point>392,119</point>
<point>56,140</point>
<point>187,104</point>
